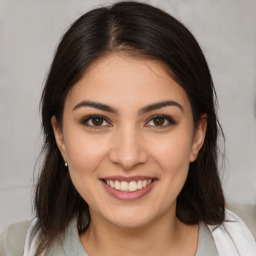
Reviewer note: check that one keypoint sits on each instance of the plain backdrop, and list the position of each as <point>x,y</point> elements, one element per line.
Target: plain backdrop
<point>29,34</point>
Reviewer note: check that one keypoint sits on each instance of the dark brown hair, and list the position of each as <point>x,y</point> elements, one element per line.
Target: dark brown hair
<point>143,31</point>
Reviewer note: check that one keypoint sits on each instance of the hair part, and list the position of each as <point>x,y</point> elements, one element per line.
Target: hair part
<point>143,31</point>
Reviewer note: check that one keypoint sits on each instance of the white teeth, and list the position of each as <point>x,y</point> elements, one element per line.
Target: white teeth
<point>112,184</point>
<point>132,186</point>
<point>139,184</point>
<point>124,186</point>
<point>128,186</point>
<point>117,184</point>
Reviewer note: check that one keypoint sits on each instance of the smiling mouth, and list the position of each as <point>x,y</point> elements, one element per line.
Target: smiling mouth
<point>128,186</point>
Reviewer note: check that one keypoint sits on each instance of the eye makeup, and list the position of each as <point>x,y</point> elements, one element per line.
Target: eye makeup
<point>160,121</point>
<point>95,121</point>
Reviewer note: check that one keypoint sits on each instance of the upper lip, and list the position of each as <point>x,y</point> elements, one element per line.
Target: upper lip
<point>128,179</point>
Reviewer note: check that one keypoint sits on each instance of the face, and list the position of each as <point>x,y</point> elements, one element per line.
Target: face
<point>128,137</point>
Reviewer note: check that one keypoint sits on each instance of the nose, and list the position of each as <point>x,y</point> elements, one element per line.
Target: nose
<point>128,149</point>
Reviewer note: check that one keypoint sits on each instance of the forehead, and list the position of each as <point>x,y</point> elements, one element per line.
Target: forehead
<point>123,79</point>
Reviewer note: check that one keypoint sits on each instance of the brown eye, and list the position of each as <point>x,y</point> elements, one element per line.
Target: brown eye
<point>159,121</point>
<point>97,121</point>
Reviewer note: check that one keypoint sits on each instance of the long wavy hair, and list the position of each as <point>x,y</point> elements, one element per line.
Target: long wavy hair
<point>143,31</point>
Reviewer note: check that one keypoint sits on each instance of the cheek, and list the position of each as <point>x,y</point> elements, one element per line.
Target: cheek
<point>173,154</point>
<point>84,154</point>
<point>84,159</point>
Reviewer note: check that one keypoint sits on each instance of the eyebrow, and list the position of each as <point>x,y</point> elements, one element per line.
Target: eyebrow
<point>162,104</point>
<point>148,108</point>
<point>101,106</point>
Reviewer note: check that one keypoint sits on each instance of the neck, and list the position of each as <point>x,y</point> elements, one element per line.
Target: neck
<point>167,235</point>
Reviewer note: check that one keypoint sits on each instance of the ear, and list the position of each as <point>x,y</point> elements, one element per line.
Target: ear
<point>199,136</point>
<point>58,136</point>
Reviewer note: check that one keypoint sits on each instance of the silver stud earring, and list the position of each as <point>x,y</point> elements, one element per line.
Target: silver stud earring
<point>65,162</point>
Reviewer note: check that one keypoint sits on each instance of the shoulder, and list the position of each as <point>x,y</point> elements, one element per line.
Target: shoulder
<point>233,237</point>
<point>12,239</point>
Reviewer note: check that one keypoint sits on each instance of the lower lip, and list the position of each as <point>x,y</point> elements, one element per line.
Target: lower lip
<point>128,196</point>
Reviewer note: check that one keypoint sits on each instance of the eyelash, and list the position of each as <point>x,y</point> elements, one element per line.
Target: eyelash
<point>85,121</point>
<point>168,119</point>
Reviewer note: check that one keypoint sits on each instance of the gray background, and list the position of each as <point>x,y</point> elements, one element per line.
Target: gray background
<point>29,33</point>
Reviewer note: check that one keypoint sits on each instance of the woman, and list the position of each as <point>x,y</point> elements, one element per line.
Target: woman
<point>130,168</point>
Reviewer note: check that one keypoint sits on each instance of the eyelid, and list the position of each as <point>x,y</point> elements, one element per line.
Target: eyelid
<point>85,120</point>
<point>171,120</point>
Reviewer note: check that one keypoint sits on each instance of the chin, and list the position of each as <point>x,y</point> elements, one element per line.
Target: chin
<point>130,219</point>
<point>131,223</point>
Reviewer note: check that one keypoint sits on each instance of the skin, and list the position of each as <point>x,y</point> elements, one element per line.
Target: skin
<point>131,143</point>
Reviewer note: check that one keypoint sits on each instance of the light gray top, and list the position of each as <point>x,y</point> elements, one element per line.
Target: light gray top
<point>206,244</point>
<point>12,241</point>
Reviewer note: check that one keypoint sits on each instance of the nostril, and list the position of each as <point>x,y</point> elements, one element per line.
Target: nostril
<point>128,158</point>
